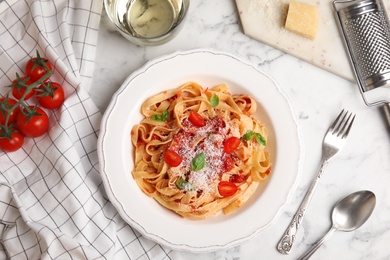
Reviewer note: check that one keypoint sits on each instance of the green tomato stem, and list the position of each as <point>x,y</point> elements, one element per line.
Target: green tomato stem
<point>21,101</point>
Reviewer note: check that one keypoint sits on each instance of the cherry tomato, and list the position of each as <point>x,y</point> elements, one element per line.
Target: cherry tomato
<point>51,96</point>
<point>227,188</point>
<point>36,126</point>
<point>18,93</point>
<point>13,144</point>
<point>231,144</point>
<point>172,158</point>
<point>196,119</point>
<point>35,68</point>
<point>7,104</point>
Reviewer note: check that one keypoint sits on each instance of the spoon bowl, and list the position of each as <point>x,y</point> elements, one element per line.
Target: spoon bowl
<point>348,214</point>
<point>353,211</point>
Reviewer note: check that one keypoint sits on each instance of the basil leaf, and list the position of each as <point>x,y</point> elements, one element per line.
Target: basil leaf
<point>214,100</point>
<point>165,115</point>
<point>161,118</point>
<point>183,184</point>
<point>248,135</point>
<point>156,117</point>
<point>260,139</point>
<point>198,162</point>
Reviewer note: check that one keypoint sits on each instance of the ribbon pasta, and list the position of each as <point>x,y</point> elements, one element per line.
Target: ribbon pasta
<point>199,192</point>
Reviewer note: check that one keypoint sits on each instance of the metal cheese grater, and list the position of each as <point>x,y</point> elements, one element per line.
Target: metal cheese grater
<point>365,29</point>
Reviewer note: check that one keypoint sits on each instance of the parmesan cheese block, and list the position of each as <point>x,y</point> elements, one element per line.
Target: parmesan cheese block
<point>302,19</point>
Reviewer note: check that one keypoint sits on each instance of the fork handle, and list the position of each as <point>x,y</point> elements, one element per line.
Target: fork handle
<point>287,241</point>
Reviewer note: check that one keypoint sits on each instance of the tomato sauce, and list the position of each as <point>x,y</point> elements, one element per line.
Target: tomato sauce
<point>192,140</point>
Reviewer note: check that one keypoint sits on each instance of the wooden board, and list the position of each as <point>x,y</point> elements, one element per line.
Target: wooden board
<point>264,20</point>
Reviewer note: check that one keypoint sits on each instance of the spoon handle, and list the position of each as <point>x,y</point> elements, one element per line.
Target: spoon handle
<point>317,245</point>
<point>287,241</point>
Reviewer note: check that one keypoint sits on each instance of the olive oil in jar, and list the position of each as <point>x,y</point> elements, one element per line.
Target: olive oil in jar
<point>151,18</point>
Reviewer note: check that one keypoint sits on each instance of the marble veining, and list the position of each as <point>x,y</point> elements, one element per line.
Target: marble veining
<point>316,97</point>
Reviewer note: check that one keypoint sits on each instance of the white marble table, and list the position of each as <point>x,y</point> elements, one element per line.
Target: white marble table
<point>316,97</point>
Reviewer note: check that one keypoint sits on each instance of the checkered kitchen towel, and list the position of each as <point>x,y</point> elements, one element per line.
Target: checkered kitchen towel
<point>52,201</point>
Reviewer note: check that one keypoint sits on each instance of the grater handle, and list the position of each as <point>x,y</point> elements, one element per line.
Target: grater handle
<point>386,115</point>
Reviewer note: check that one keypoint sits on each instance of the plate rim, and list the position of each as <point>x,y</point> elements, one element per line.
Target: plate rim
<point>108,185</point>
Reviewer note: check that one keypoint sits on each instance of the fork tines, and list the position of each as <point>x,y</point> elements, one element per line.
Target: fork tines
<point>342,124</point>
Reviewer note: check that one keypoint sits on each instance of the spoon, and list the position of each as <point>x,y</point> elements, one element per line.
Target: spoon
<point>348,214</point>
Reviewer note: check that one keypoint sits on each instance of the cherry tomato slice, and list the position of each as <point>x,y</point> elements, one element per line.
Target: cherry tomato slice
<point>231,144</point>
<point>172,158</point>
<point>196,119</point>
<point>18,93</point>
<point>227,188</point>
<point>35,126</point>
<point>7,104</point>
<point>13,144</point>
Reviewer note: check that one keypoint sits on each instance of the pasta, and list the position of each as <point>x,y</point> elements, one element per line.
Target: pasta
<point>199,151</point>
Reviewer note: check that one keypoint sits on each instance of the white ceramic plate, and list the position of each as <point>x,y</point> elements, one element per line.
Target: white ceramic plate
<point>209,68</point>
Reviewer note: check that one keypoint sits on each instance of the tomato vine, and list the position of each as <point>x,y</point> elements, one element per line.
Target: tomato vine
<point>18,119</point>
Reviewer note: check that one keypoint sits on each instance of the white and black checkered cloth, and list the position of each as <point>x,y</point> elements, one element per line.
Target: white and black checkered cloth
<point>52,200</point>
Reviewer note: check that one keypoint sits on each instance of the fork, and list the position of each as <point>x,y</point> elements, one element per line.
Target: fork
<point>334,140</point>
